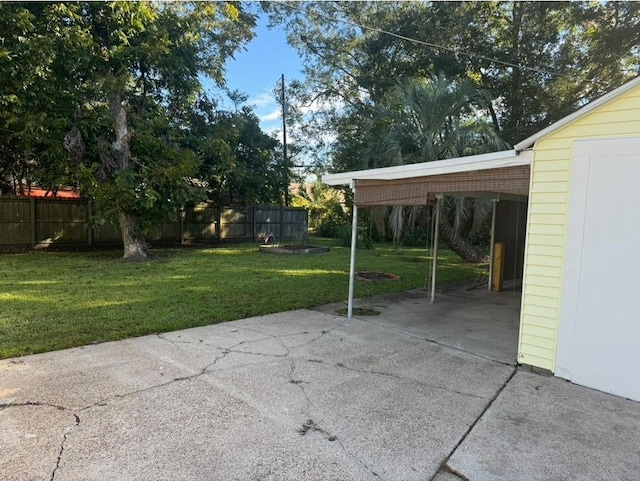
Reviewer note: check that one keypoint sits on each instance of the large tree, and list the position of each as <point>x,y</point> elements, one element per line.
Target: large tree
<point>240,163</point>
<point>124,78</point>
<point>555,56</point>
<point>36,97</point>
<point>539,60</point>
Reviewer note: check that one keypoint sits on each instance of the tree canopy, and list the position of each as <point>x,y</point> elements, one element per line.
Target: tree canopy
<point>107,96</point>
<point>539,61</point>
<point>399,82</point>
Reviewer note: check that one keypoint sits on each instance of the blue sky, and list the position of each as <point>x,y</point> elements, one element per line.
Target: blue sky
<point>257,71</point>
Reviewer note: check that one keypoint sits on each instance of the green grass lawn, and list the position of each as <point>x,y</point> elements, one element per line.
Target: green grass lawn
<point>54,300</point>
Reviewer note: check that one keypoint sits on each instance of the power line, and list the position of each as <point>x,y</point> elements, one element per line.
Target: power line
<point>421,42</point>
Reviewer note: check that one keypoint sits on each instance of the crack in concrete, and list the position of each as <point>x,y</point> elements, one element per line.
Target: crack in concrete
<point>413,381</point>
<point>32,403</point>
<point>395,376</point>
<point>203,371</point>
<point>176,341</point>
<point>352,455</point>
<point>61,451</point>
<point>458,475</point>
<point>256,353</point>
<point>299,383</point>
<point>322,333</point>
<point>225,351</point>
<point>445,464</point>
<point>205,343</point>
<point>310,425</point>
<point>277,337</point>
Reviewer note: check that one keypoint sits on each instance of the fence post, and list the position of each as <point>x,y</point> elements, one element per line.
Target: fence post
<point>218,223</point>
<point>182,213</point>
<point>255,223</point>
<point>282,224</point>
<point>33,222</point>
<point>89,226</point>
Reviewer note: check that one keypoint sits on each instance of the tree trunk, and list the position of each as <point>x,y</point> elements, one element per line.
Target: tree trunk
<point>457,244</point>
<point>135,245</point>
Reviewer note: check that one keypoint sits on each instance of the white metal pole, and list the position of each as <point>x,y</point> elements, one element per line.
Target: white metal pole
<point>492,242</point>
<point>352,267</point>
<point>284,146</point>
<point>435,249</point>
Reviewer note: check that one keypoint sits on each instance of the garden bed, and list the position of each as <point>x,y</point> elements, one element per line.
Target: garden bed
<point>292,249</point>
<point>376,276</point>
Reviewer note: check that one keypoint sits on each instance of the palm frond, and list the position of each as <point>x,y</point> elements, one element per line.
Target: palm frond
<point>378,217</point>
<point>482,211</point>
<point>396,222</point>
<point>426,119</point>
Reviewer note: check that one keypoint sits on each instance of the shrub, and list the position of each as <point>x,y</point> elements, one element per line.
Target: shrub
<point>326,210</point>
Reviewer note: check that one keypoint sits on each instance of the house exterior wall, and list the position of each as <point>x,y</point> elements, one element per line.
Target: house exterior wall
<point>547,222</point>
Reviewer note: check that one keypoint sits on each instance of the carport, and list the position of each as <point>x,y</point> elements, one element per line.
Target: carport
<point>498,176</point>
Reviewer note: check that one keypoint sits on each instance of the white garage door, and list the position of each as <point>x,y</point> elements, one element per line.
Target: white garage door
<point>599,333</point>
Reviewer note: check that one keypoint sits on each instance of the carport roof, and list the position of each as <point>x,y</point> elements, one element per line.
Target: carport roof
<point>505,173</point>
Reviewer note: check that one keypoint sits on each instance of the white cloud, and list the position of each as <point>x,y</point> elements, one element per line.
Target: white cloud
<point>264,99</point>
<point>275,114</point>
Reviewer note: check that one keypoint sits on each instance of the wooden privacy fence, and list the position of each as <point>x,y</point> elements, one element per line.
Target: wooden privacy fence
<point>30,222</point>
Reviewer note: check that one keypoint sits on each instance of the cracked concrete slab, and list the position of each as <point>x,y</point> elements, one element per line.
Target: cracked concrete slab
<point>400,428</point>
<point>361,345</point>
<point>475,321</point>
<point>543,428</point>
<point>280,325</point>
<point>192,430</point>
<point>31,440</point>
<point>306,395</point>
<point>81,377</point>
<point>299,395</point>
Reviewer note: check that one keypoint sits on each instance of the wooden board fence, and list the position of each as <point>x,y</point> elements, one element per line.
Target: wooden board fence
<point>30,222</point>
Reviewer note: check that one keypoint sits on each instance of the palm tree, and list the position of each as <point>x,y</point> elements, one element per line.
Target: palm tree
<point>421,120</point>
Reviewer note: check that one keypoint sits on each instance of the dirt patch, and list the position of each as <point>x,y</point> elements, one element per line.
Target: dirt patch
<point>358,311</point>
<point>376,276</point>
<point>278,249</point>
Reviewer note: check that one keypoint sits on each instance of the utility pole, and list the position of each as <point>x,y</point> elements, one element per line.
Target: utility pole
<point>284,142</point>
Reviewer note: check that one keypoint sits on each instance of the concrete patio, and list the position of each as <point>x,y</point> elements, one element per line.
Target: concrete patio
<point>308,395</point>
<point>471,320</point>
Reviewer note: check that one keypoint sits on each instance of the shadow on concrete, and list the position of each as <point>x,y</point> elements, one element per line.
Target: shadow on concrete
<point>472,320</point>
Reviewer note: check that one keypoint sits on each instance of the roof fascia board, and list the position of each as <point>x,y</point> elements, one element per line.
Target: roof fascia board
<point>459,164</point>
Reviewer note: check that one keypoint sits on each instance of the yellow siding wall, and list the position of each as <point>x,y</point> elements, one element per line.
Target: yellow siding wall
<point>546,228</point>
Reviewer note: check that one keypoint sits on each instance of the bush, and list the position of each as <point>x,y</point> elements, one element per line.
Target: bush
<point>414,237</point>
<point>328,224</point>
<point>344,238</point>
<point>325,205</point>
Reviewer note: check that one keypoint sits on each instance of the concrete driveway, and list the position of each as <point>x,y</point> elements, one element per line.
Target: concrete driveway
<point>303,395</point>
